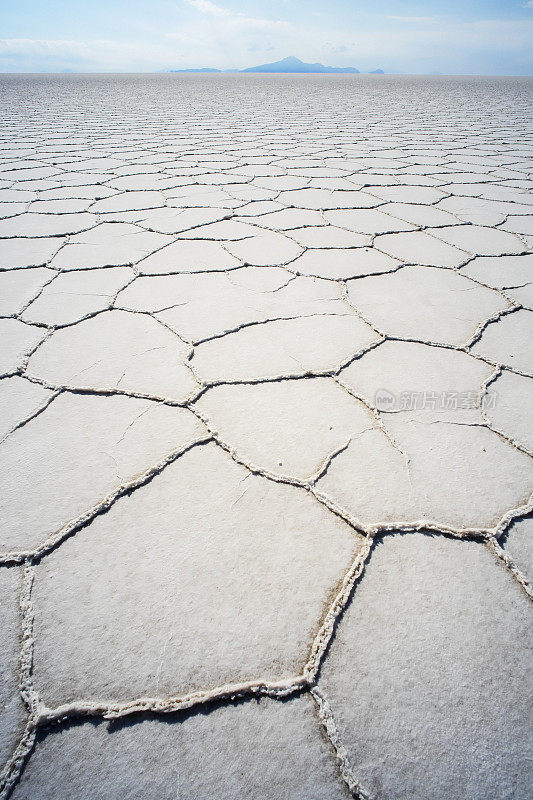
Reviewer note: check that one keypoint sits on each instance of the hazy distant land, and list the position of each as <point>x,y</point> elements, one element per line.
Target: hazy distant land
<point>291,64</point>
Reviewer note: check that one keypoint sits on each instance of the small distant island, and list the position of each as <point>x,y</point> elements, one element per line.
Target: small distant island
<point>199,69</point>
<point>291,64</point>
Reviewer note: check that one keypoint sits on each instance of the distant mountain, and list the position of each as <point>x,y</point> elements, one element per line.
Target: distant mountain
<point>292,64</point>
<point>200,69</point>
<point>289,65</point>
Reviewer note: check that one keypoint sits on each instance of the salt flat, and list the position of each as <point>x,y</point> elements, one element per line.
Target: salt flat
<point>266,392</point>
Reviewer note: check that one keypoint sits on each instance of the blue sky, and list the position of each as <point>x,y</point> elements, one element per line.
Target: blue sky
<point>448,36</point>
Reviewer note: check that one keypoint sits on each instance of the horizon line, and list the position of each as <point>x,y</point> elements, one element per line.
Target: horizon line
<point>213,72</point>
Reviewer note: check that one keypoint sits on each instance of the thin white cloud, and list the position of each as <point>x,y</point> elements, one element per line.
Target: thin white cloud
<point>41,46</point>
<point>259,24</point>
<point>409,19</point>
<point>207,7</point>
<point>56,55</point>
<point>234,20</point>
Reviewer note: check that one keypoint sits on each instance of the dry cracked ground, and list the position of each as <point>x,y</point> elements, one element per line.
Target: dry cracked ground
<point>266,391</point>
